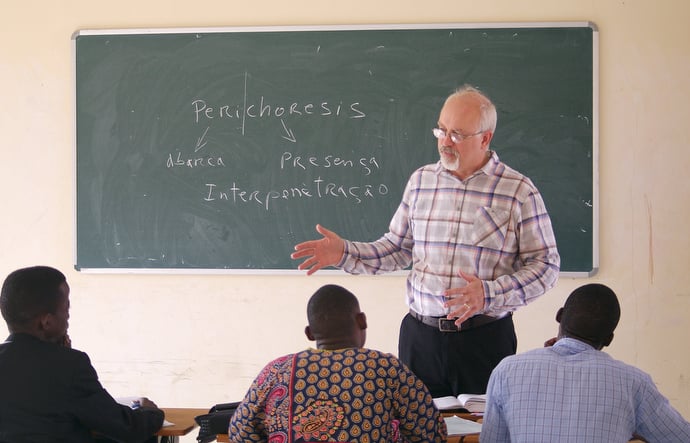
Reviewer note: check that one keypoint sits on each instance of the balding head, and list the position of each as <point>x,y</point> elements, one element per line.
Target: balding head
<point>487,111</point>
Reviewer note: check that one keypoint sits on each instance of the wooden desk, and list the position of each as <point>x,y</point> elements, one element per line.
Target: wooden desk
<point>183,419</point>
<point>472,438</point>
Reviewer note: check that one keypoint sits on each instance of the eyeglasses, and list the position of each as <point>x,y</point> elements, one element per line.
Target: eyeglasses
<point>456,137</point>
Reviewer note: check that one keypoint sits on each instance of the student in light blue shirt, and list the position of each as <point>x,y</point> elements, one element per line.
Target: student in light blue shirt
<point>574,392</point>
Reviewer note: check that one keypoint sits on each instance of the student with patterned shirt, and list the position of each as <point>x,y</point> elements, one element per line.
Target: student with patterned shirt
<point>339,391</point>
<point>480,244</point>
<point>572,391</point>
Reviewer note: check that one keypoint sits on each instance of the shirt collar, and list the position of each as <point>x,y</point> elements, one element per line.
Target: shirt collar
<point>571,346</point>
<point>488,169</point>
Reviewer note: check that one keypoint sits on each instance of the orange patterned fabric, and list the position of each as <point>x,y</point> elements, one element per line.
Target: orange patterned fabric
<point>351,395</point>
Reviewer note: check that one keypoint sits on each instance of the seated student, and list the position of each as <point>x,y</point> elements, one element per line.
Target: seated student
<point>573,392</point>
<point>48,391</point>
<point>339,391</point>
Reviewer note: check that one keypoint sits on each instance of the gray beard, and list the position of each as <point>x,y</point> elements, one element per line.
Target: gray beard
<point>451,166</point>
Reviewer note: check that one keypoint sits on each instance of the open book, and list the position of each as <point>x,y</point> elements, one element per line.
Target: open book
<point>461,426</point>
<point>474,403</point>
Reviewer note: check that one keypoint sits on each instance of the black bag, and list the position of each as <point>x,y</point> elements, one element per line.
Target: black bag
<point>215,422</point>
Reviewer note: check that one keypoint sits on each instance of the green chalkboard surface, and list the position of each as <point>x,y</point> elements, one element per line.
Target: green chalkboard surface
<point>220,149</point>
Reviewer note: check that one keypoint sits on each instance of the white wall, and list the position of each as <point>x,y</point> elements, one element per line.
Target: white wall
<point>190,340</point>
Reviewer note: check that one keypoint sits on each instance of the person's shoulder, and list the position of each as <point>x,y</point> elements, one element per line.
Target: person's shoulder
<point>384,359</point>
<point>375,353</point>
<point>431,168</point>
<point>67,360</point>
<point>519,184</point>
<point>624,369</point>
<point>625,373</point>
<point>427,176</point>
<point>507,172</point>
<point>33,344</point>
<point>276,366</point>
<point>71,359</point>
<point>280,361</point>
<point>523,358</point>
<point>530,354</point>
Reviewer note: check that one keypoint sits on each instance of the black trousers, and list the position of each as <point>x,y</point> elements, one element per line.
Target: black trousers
<point>452,363</point>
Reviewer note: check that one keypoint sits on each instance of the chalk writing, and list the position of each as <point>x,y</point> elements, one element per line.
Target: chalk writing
<point>317,188</point>
<point>196,162</point>
<point>200,142</point>
<point>203,111</point>
<point>288,160</point>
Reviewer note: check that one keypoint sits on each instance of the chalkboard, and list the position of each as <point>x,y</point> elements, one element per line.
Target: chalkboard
<point>219,149</point>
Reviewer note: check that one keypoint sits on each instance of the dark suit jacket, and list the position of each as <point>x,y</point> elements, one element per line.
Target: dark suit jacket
<point>50,393</point>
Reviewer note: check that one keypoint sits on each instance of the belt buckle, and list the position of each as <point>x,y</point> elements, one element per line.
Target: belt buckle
<point>447,325</point>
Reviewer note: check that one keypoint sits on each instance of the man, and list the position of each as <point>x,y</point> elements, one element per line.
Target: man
<point>48,391</point>
<point>480,243</point>
<point>339,391</point>
<point>572,391</point>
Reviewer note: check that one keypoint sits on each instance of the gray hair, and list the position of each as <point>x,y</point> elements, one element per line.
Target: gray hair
<point>488,116</point>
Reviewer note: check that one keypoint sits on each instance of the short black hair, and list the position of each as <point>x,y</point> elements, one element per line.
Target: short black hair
<point>591,312</point>
<point>30,292</point>
<point>332,309</point>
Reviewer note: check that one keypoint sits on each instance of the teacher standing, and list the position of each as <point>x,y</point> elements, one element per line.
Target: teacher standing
<point>480,244</point>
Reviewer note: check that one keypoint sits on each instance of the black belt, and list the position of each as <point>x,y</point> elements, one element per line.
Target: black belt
<point>445,325</point>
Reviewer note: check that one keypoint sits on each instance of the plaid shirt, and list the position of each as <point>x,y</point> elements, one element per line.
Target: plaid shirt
<point>493,225</point>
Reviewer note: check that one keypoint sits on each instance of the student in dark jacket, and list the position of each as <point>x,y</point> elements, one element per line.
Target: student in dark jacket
<point>48,391</point>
